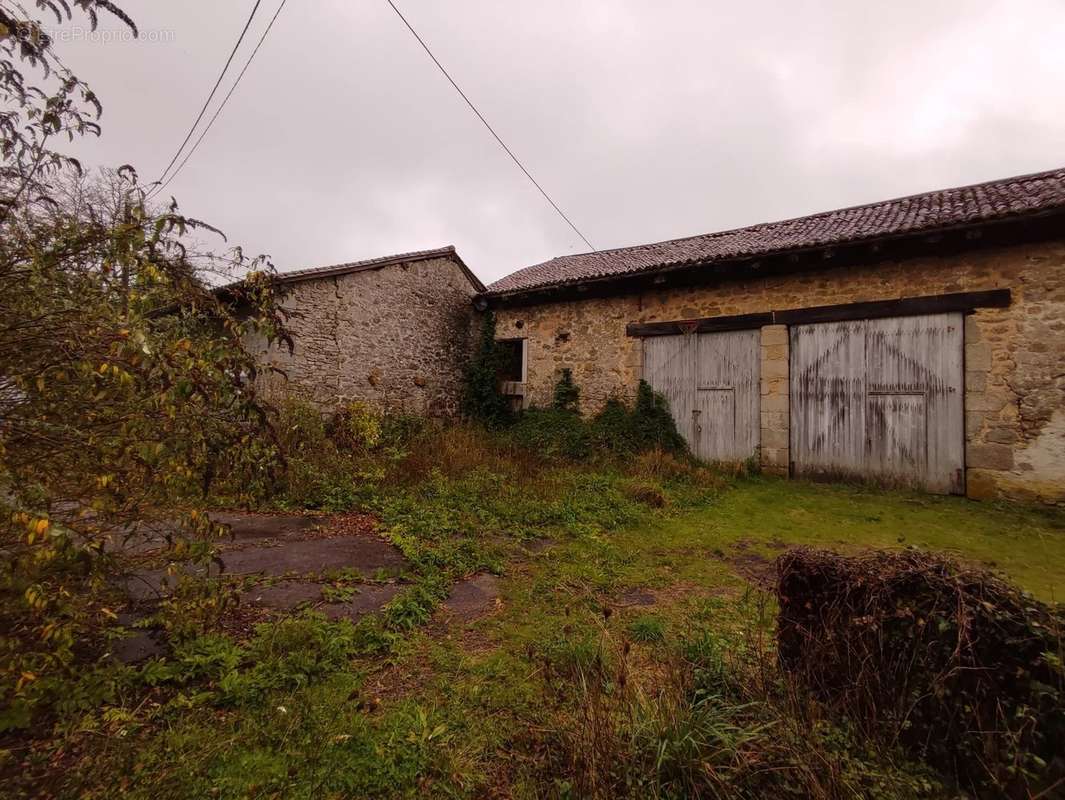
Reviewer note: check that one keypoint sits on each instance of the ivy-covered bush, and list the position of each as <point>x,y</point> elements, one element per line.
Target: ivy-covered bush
<point>567,395</point>
<point>561,432</point>
<point>552,433</point>
<point>481,398</point>
<point>648,425</point>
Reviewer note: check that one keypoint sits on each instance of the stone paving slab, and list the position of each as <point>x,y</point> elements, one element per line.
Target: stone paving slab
<point>288,595</point>
<point>149,584</point>
<point>266,526</point>
<point>363,553</point>
<point>285,595</point>
<point>282,555</point>
<point>370,597</point>
<point>139,646</point>
<point>147,536</point>
<point>473,597</point>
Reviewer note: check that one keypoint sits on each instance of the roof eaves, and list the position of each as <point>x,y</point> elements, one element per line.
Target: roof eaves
<point>670,266</point>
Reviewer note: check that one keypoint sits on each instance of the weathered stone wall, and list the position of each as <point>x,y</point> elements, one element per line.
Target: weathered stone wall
<point>1015,357</point>
<point>397,336</point>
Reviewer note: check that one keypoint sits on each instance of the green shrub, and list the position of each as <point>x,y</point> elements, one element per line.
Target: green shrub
<point>481,399</point>
<point>647,426</point>
<point>300,426</point>
<point>560,432</point>
<point>567,395</point>
<point>552,433</point>
<point>653,423</point>
<point>283,655</point>
<point>356,426</point>
<point>612,428</point>
<point>647,628</point>
<point>416,605</point>
<point>400,431</point>
<point>321,468</point>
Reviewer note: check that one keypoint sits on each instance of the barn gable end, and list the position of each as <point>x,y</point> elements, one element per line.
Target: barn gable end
<point>393,332</point>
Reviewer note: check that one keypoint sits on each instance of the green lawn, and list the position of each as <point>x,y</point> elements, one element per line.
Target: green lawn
<point>465,710</point>
<point>1026,544</point>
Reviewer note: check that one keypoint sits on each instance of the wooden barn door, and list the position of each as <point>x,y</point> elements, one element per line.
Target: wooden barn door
<point>880,399</point>
<point>711,381</point>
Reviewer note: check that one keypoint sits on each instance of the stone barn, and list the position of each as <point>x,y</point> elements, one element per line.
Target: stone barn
<point>917,341</point>
<point>393,332</point>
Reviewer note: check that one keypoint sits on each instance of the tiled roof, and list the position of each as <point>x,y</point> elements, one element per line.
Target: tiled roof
<point>985,202</point>
<point>296,275</point>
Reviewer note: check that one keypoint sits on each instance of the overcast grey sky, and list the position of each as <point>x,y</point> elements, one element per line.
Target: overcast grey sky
<point>644,120</point>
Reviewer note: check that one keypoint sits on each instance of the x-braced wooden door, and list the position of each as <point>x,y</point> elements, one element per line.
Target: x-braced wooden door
<point>712,383</point>
<point>880,399</point>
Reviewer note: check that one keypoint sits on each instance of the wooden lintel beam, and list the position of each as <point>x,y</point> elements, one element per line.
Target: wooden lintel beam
<point>877,309</point>
<point>736,322</point>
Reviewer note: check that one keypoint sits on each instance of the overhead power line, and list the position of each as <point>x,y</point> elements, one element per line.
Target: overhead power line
<point>225,100</point>
<point>491,130</point>
<point>217,83</point>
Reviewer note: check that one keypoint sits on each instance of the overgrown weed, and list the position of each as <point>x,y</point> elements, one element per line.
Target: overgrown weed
<point>718,719</point>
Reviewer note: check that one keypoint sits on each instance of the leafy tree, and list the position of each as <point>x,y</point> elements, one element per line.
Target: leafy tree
<point>125,391</point>
<point>482,399</point>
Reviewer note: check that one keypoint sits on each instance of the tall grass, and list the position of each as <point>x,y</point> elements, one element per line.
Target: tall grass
<point>713,718</point>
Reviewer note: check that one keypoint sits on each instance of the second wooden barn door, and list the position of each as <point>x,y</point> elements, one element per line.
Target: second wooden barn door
<point>880,399</point>
<point>711,381</point>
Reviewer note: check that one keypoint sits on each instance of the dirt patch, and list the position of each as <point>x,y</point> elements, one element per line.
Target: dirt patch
<point>755,569</point>
<point>637,597</point>
<point>753,566</point>
<point>536,546</point>
<point>665,596</point>
<point>393,682</point>
<point>473,597</point>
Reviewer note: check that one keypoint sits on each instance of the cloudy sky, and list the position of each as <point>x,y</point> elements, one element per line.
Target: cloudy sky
<point>645,121</point>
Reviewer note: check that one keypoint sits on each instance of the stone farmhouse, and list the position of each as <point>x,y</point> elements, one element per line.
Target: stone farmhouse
<point>918,341</point>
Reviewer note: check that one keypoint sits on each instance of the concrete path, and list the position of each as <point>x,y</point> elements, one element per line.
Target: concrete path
<point>295,555</point>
